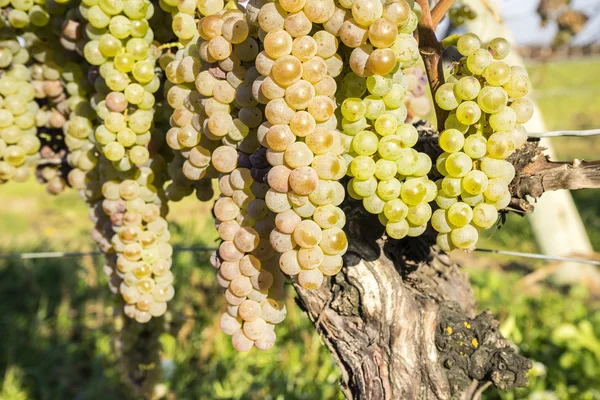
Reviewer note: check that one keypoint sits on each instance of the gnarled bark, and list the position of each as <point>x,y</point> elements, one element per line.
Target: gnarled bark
<point>400,320</point>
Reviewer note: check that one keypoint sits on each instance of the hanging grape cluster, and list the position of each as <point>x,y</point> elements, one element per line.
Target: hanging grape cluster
<point>285,106</point>
<point>485,97</point>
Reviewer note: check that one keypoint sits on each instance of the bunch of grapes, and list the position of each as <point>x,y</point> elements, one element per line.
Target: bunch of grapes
<point>119,44</point>
<point>460,13</point>
<point>298,67</point>
<point>24,14</point>
<point>19,144</point>
<point>143,255</point>
<point>487,104</point>
<point>388,175</point>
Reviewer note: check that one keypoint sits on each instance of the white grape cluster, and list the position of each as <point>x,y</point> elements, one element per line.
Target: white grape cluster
<point>24,14</point>
<point>120,44</point>
<point>248,267</point>
<point>19,143</point>
<point>388,175</point>
<point>298,67</point>
<point>212,75</point>
<point>142,264</point>
<point>486,99</point>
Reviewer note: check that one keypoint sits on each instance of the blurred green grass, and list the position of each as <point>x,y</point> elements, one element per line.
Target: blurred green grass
<point>55,315</point>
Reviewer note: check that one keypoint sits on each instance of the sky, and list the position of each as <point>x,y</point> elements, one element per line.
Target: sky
<point>524,22</point>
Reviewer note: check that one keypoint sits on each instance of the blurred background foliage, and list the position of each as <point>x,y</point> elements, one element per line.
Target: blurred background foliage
<point>55,314</point>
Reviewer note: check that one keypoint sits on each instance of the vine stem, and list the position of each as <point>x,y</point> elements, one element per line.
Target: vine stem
<point>431,51</point>
<point>440,9</point>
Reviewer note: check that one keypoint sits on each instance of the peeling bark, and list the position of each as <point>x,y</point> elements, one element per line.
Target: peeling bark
<point>385,318</point>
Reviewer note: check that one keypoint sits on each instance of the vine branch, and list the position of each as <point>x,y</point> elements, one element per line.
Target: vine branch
<point>431,51</point>
<point>438,12</point>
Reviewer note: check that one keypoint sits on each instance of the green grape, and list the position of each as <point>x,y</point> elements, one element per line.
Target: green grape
<point>465,238</point>
<point>440,222</point>
<point>374,107</point>
<point>407,162</point>
<point>386,125</point>
<point>497,73</point>
<point>445,98</point>
<point>394,98</point>
<point>136,9</point>
<point>523,109</point>
<point>517,86</point>
<point>138,48</point>
<point>143,71</point>
<point>423,165</point>
<point>444,242</point>
<point>92,53</point>
<point>139,28</point>
<point>452,122</point>
<point>364,188</point>
<point>373,204</point>
<point>117,81</point>
<point>379,85</point>
<point>468,44</point>
<point>39,16</point>
<point>499,48</point>
<point>120,27</point>
<point>460,214</point>
<point>397,230</point>
<point>413,192</point>
<point>419,214</point>
<point>492,99</point>
<point>440,163</point>
<point>505,120</point>
<point>485,215</point>
<point>362,167</point>
<point>109,45</point>
<point>400,113</point>
<point>390,147</point>
<point>389,189</point>
<point>365,143</point>
<point>395,210</point>
<point>459,164</point>
<point>496,189</point>
<point>467,88</point>
<point>114,151</point>
<point>451,140</point>
<point>385,169</point>
<point>184,26</point>
<point>353,109</point>
<point>111,7</point>
<point>134,93</point>
<point>18,19</point>
<point>475,146</point>
<point>479,61</point>
<point>353,86</point>
<point>97,17</point>
<point>468,113</point>
<point>475,182</point>
<point>408,135</point>
<point>352,128</point>
<point>500,145</point>
<point>139,155</point>
<point>451,187</point>
<point>124,62</point>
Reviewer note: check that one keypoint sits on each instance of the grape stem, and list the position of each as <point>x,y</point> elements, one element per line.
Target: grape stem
<point>440,9</point>
<point>431,51</point>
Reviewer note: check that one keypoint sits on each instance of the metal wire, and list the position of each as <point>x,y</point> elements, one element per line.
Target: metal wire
<point>539,256</point>
<point>587,133</point>
<point>62,254</point>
